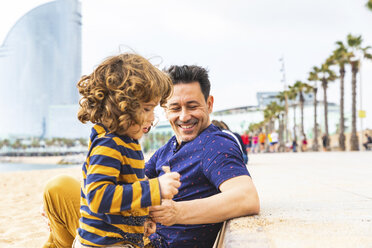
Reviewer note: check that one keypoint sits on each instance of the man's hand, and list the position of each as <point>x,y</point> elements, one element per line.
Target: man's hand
<point>166,214</point>
<point>169,184</point>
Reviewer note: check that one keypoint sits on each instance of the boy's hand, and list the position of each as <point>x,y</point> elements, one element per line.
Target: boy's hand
<point>169,184</point>
<point>150,227</point>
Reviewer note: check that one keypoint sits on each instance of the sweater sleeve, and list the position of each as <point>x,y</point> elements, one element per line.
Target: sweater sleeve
<point>104,193</point>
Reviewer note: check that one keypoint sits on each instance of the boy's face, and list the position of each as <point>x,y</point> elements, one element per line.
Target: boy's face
<point>137,131</point>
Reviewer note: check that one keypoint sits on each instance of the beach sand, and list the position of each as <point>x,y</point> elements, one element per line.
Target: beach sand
<point>21,224</point>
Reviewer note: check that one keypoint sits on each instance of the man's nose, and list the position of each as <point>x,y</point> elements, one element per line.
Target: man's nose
<point>184,116</point>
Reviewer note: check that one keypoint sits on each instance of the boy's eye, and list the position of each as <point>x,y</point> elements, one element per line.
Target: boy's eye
<point>147,109</point>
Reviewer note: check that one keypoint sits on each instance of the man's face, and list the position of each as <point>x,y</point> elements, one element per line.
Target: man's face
<point>188,112</point>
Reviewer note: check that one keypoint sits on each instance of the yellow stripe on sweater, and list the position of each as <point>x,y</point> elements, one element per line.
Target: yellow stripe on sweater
<point>97,199</point>
<point>132,146</point>
<point>137,195</point>
<point>107,151</point>
<point>116,200</point>
<point>134,163</point>
<point>100,131</point>
<point>155,192</point>
<point>104,170</point>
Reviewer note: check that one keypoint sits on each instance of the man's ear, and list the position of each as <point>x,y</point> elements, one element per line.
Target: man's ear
<point>210,101</point>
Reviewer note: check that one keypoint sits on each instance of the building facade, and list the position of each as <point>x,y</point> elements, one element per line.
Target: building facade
<point>40,64</point>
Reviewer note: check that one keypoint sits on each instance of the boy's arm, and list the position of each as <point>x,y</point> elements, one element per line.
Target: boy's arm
<point>103,192</point>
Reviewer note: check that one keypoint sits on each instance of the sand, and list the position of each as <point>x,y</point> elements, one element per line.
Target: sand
<point>21,224</point>
<point>307,200</point>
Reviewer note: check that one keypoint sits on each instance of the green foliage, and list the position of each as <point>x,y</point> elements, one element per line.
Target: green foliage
<point>254,127</point>
<point>272,111</point>
<point>369,5</point>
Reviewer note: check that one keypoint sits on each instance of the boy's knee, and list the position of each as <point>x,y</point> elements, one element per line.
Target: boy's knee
<point>59,184</point>
<point>59,190</point>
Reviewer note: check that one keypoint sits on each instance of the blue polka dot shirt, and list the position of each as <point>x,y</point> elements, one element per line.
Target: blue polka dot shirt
<point>204,164</point>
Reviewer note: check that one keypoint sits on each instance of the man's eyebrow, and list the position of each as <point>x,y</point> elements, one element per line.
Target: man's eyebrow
<point>173,104</point>
<point>192,102</point>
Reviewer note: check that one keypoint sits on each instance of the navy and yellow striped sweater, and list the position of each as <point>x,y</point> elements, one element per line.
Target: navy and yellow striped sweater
<point>114,193</point>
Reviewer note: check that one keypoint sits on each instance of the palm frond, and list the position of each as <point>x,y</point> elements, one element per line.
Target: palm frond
<point>369,5</point>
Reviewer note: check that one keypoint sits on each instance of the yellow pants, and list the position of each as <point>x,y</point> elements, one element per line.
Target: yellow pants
<point>62,204</point>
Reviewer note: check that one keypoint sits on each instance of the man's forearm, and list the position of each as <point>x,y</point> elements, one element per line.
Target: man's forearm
<point>233,202</point>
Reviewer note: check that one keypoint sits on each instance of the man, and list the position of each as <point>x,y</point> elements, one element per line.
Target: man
<point>215,183</point>
<point>369,141</point>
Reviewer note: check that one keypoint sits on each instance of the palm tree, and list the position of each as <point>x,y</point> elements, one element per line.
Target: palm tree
<point>369,5</point>
<point>355,46</point>
<point>341,57</point>
<point>283,97</point>
<point>292,95</point>
<point>300,89</point>
<point>272,112</point>
<point>313,76</point>
<point>326,76</point>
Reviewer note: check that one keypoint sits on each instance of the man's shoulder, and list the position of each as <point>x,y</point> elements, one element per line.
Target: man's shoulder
<point>217,137</point>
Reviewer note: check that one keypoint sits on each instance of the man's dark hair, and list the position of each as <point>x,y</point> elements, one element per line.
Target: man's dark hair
<point>190,73</point>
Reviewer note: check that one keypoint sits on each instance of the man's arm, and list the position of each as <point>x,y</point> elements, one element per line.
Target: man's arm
<point>238,197</point>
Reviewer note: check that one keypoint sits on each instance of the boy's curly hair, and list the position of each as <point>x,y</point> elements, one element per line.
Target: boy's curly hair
<point>113,93</point>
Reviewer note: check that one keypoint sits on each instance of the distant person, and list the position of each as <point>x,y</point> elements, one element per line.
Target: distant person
<point>119,97</point>
<point>247,140</point>
<point>325,142</point>
<point>368,142</point>
<point>304,143</point>
<point>294,145</point>
<point>288,146</point>
<point>274,141</point>
<point>223,126</point>
<point>261,140</point>
<point>255,143</point>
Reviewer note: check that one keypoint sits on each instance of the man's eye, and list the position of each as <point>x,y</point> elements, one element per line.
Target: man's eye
<point>193,107</point>
<point>174,109</point>
<point>147,109</point>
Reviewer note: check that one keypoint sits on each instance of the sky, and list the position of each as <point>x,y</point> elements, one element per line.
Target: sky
<point>239,42</point>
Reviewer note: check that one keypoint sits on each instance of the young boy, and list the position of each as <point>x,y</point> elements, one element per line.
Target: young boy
<point>119,97</point>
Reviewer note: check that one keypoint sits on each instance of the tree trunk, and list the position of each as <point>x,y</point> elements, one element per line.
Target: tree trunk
<point>341,138</point>
<point>286,118</point>
<point>354,138</point>
<point>294,122</point>
<point>267,145</point>
<point>315,142</point>
<point>281,138</point>
<point>302,100</point>
<point>324,85</point>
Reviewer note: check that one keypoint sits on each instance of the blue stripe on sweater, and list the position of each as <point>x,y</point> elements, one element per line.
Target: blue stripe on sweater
<point>146,194</point>
<point>105,160</point>
<point>126,201</point>
<point>117,219</point>
<point>91,178</point>
<point>106,201</point>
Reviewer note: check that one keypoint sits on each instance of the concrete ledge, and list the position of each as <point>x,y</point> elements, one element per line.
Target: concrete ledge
<point>244,232</point>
